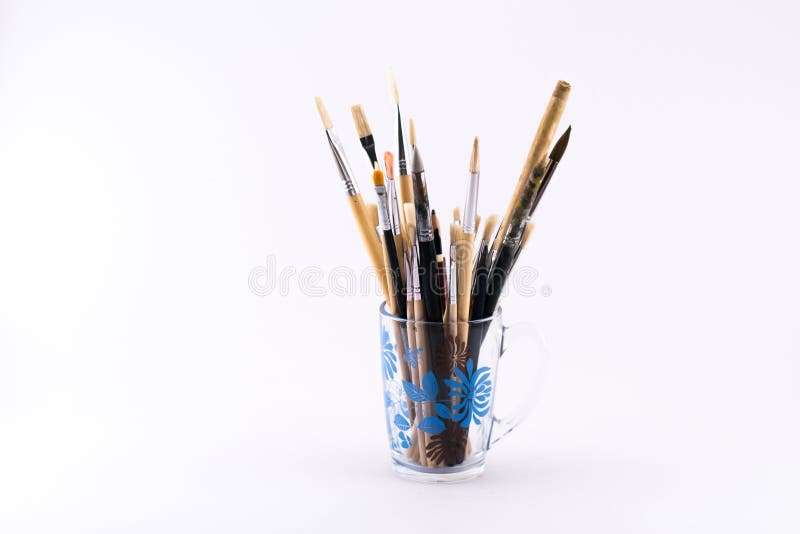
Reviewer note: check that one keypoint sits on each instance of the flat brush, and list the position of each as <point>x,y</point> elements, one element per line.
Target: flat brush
<point>365,228</point>
<point>390,248</point>
<point>365,134</point>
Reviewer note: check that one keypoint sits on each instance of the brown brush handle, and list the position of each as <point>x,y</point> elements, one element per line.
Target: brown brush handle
<point>369,238</point>
<point>537,155</point>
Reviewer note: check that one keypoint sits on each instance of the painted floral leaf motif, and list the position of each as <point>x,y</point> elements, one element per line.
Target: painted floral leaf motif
<point>430,385</point>
<point>401,422</point>
<point>451,354</point>
<point>431,425</point>
<point>410,356</point>
<point>473,392</point>
<point>405,440</point>
<point>414,393</point>
<point>389,356</point>
<point>448,446</point>
<point>442,410</point>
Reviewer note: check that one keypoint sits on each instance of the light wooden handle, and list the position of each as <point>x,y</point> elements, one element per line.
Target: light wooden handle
<point>369,238</point>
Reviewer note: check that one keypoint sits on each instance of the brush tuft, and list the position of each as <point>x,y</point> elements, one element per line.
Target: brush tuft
<point>360,120</point>
<point>388,163</point>
<point>393,92</point>
<point>561,146</point>
<point>488,229</point>
<point>327,123</point>
<point>412,133</point>
<point>377,177</point>
<point>456,214</point>
<point>475,160</point>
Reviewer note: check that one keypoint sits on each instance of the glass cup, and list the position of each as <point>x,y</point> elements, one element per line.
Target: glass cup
<point>439,382</point>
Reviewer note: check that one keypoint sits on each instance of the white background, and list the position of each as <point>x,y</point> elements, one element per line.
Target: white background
<point>153,154</point>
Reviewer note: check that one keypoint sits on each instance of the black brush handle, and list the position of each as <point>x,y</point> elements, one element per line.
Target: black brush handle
<point>497,278</point>
<point>394,267</point>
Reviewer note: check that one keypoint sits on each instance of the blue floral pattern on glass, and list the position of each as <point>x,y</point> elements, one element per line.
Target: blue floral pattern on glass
<point>389,356</point>
<point>472,393</point>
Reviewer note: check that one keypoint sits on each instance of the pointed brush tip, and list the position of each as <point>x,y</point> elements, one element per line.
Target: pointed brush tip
<point>395,94</point>
<point>475,160</point>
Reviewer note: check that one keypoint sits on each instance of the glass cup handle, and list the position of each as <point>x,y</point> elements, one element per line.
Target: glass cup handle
<point>526,339</point>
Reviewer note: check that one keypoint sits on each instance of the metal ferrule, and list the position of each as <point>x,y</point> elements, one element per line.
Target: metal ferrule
<point>341,163</point>
<point>391,191</point>
<point>422,207</point>
<point>415,273</point>
<point>471,204</point>
<point>383,208</point>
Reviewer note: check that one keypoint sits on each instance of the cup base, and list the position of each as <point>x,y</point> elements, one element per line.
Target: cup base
<point>437,475</point>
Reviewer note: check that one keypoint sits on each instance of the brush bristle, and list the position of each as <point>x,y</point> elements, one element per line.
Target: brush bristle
<point>456,214</point>
<point>435,220</point>
<point>327,123</point>
<point>388,163</point>
<point>477,223</point>
<point>488,230</point>
<point>561,146</point>
<point>360,119</point>
<point>393,92</point>
<point>455,233</point>
<point>475,160</point>
<point>377,177</point>
<point>412,133</point>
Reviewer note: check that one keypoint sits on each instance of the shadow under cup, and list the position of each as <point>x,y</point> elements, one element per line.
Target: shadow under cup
<point>440,381</point>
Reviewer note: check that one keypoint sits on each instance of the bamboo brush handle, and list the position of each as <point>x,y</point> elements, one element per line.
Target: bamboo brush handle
<point>369,238</point>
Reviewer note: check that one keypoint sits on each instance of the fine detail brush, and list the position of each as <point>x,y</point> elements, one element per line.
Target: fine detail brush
<point>390,247</point>
<point>404,179</point>
<point>467,238</point>
<point>357,206</point>
<point>398,226</point>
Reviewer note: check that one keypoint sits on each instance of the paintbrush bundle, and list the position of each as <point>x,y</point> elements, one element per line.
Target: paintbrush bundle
<point>443,298</point>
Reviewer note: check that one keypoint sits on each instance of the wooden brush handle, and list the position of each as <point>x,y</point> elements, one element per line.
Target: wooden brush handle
<point>369,238</point>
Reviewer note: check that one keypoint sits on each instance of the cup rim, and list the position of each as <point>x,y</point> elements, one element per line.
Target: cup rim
<point>385,313</point>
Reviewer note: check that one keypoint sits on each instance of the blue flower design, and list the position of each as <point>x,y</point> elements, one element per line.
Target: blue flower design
<point>473,392</point>
<point>389,356</point>
<point>405,440</point>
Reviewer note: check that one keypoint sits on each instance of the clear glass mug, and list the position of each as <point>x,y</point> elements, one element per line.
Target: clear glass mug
<point>439,385</point>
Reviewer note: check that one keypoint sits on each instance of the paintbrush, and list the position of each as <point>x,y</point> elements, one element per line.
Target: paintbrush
<point>513,226</point>
<point>357,206</point>
<point>404,179</point>
<point>467,239</point>
<point>390,247</point>
<point>552,162</point>
<point>365,134</point>
<point>398,224</point>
